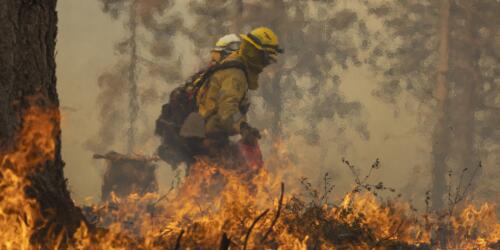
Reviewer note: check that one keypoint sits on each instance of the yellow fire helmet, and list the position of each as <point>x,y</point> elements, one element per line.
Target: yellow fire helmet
<point>263,39</point>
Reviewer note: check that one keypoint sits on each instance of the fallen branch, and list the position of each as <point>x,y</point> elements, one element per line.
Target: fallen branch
<point>247,236</point>
<point>178,241</point>
<point>275,219</point>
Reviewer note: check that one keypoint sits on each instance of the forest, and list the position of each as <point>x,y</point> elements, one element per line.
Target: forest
<point>380,126</point>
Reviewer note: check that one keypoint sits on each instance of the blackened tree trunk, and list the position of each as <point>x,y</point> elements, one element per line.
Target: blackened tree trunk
<point>28,31</point>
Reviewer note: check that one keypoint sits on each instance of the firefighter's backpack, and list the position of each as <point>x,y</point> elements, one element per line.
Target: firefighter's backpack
<point>175,149</point>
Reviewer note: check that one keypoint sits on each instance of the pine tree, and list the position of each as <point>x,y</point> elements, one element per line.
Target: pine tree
<point>435,52</point>
<point>125,82</point>
<point>35,202</point>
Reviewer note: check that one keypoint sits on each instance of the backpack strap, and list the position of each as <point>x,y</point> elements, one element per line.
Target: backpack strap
<point>228,65</point>
<point>218,67</point>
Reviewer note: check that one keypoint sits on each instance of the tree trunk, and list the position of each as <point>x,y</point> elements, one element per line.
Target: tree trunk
<point>133,94</point>
<point>467,76</point>
<point>38,199</point>
<point>270,87</point>
<point>440,139</point>
<point>237,19</point>
<point>271,91</point>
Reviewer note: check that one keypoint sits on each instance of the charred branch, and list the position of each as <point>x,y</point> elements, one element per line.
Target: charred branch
<point>249,231</point>
<point>278,211</point>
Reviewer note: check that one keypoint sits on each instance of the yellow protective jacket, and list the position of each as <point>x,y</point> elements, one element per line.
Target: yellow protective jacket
<point>221,97</point>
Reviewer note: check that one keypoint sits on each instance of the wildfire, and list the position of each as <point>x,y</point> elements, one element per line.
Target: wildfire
<point>20,214</point>
<point>214,202</point>
<point>218,206</point>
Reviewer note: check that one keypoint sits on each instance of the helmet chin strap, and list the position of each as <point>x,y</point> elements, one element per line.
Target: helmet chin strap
<point>258,67</point>
<point>255,67</point>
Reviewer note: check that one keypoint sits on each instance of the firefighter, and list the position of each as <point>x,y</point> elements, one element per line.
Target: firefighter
<point>223,102</point>
<point>174,148</point>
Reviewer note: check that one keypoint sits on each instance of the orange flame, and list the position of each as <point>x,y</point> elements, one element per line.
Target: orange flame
<point>35,145</point>
<point>213,200</point>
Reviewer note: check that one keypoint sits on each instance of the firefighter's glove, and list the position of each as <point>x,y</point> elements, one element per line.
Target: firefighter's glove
<point>249,135</point>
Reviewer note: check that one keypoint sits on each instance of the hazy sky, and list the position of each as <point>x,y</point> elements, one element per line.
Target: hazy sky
<point>85,50</point>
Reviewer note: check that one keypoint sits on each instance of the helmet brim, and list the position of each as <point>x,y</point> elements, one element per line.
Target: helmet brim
<point>248,39</point>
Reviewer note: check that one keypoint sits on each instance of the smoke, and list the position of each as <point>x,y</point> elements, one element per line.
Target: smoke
<point>316,100</point>
<point>113,86</point>
<point>130,80</point>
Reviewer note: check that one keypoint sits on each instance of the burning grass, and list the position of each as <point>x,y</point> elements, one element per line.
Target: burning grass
<point>219,208</point>
<point>216,207</point>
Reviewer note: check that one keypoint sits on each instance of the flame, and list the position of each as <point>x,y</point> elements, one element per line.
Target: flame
<point>19,214</point>
<point>214,199</point>
<point>477,225</point>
